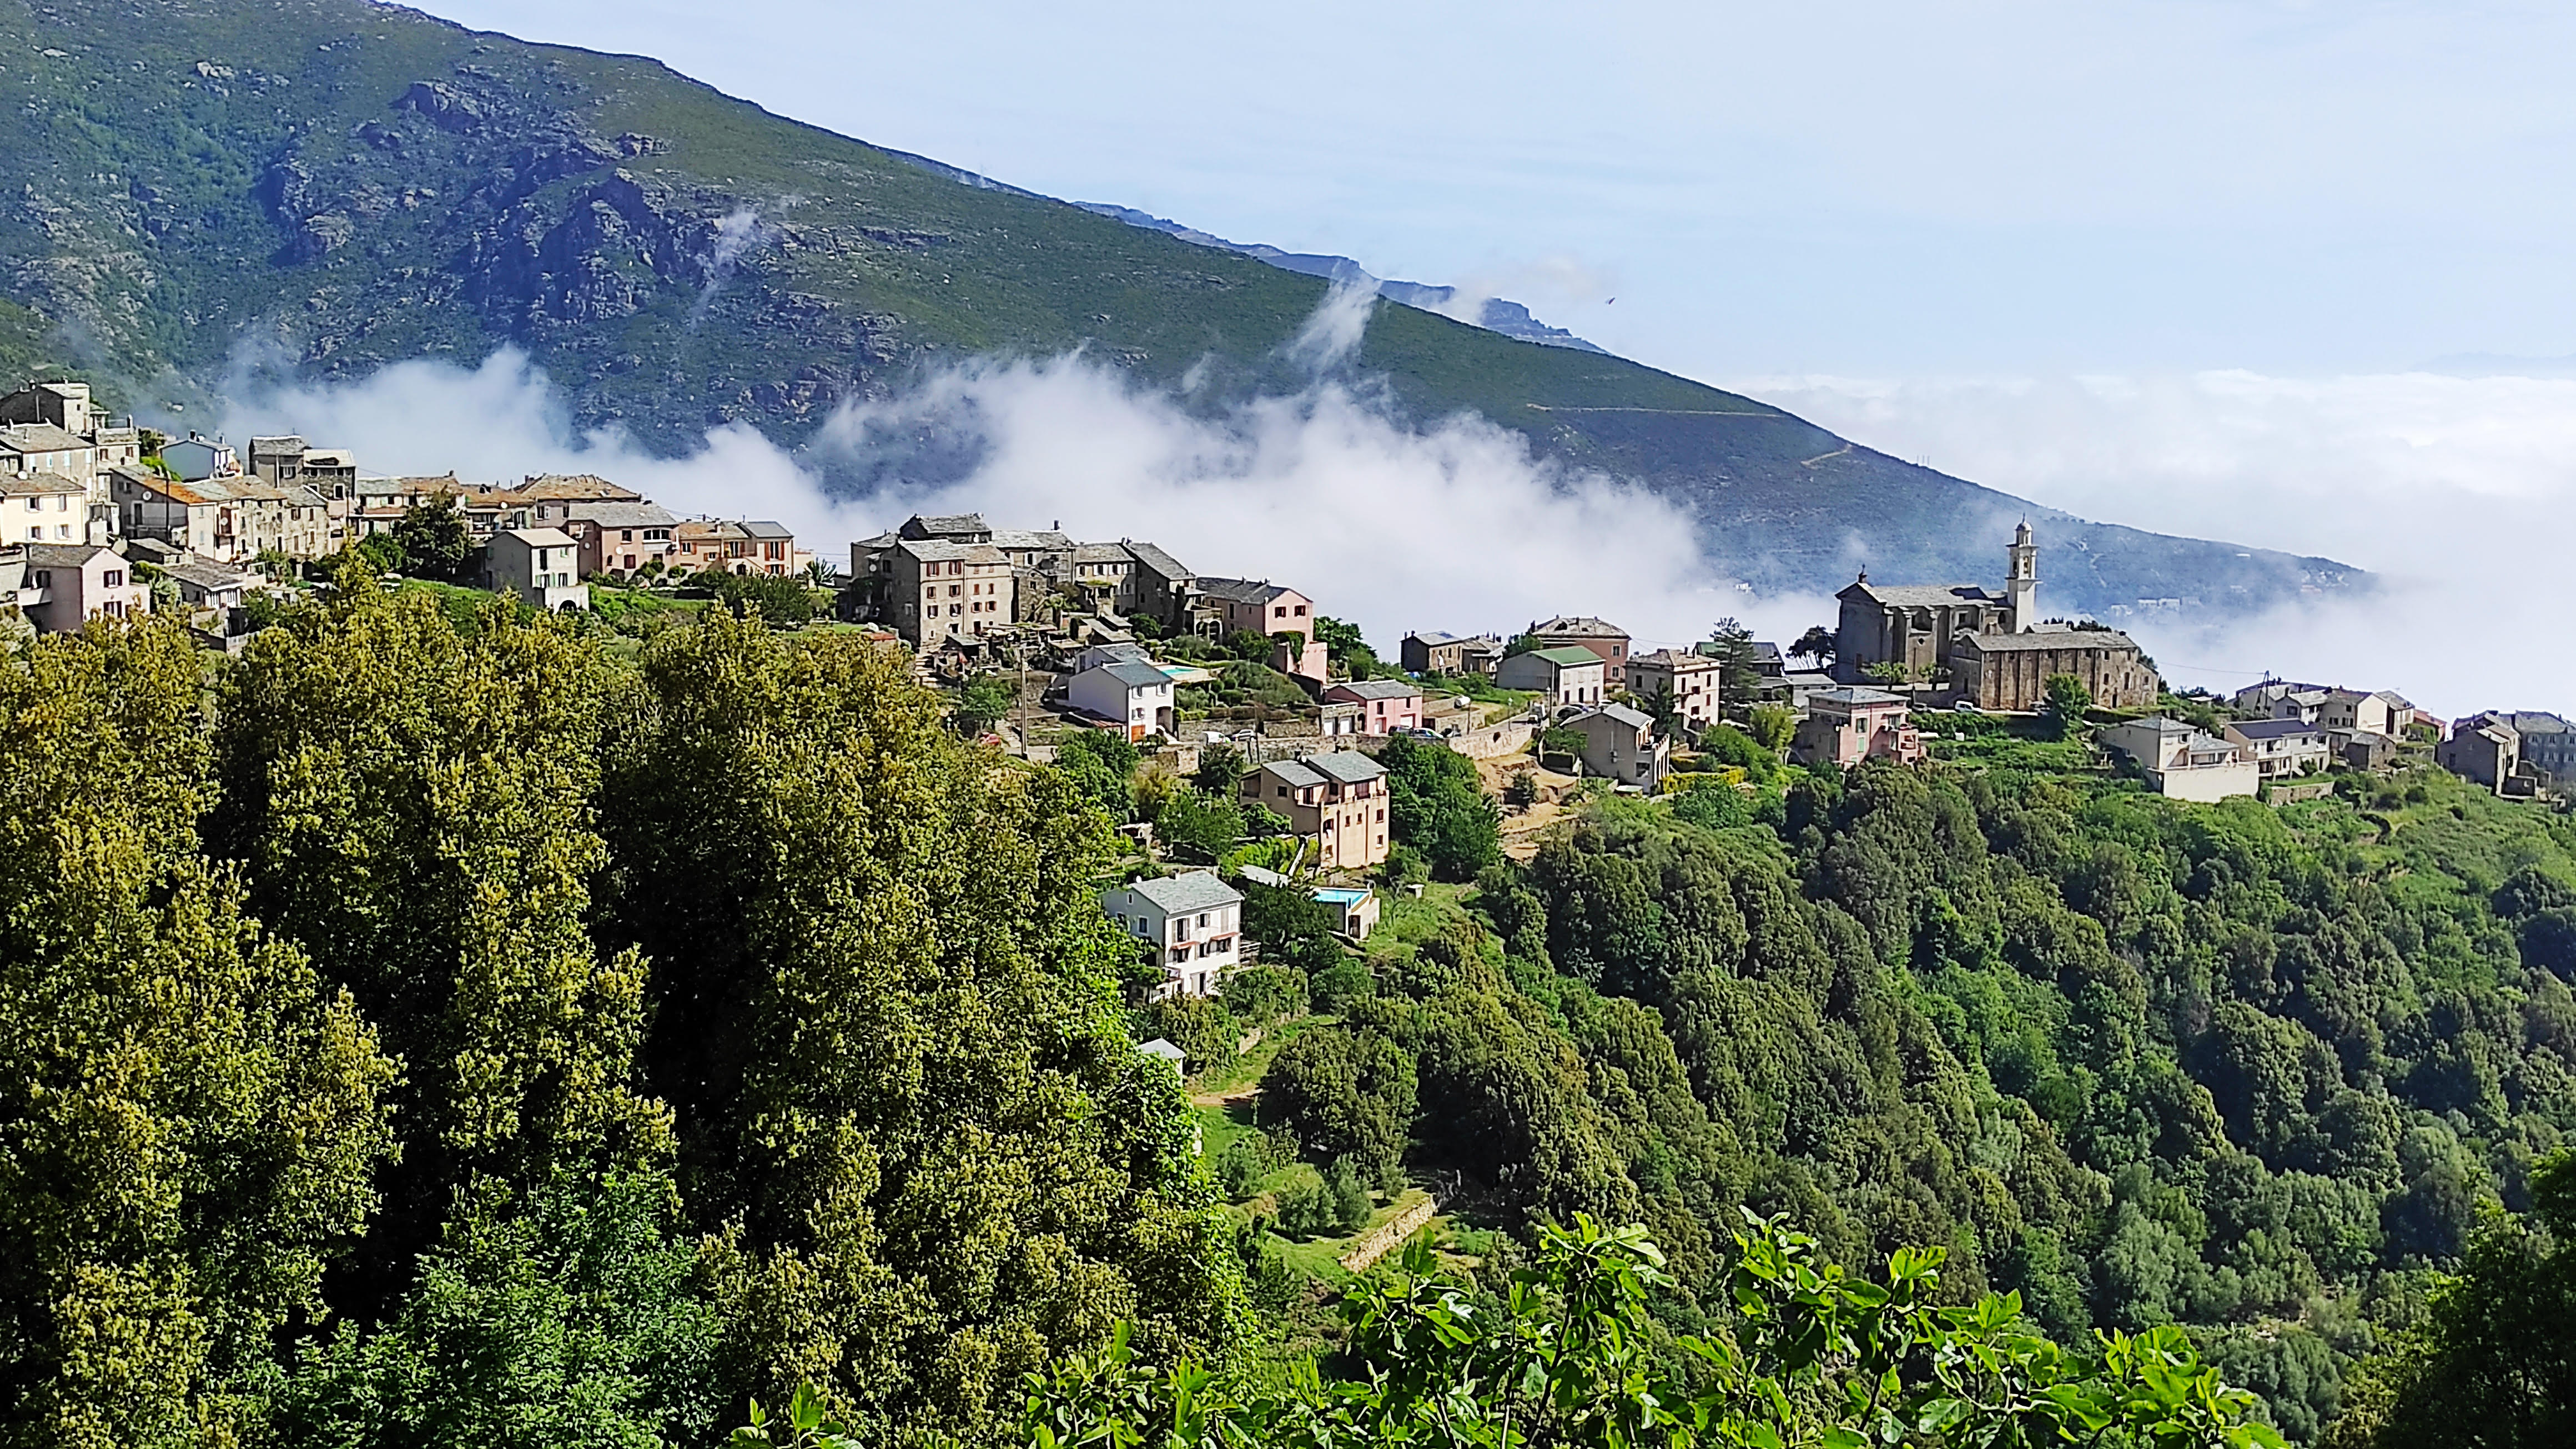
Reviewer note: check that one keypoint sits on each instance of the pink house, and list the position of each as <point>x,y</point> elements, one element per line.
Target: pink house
<point>1386,705</point>
<point>1848,725</point>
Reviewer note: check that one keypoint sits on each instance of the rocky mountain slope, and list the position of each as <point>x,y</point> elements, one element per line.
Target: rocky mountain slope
<point>331,186</point>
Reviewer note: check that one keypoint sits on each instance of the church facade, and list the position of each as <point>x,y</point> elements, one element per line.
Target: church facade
<point>1985,649</point>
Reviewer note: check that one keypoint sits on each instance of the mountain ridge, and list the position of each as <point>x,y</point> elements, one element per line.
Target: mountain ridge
<point>354,185</point>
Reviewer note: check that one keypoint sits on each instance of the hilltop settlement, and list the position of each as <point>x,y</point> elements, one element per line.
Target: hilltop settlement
<point>1048,641</point>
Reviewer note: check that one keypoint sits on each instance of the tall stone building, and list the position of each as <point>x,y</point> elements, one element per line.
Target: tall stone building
<point>1986,650</point>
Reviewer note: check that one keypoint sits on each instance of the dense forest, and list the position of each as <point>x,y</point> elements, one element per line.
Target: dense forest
<point>424,1032</point>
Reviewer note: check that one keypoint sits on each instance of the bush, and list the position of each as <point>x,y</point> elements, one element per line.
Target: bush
<point>1198,1025</point>
<point>1342,986</point>
<point>1198,826</point>
<point>1260,995</point>
<point>779,600</point>
<point>1242,1165</point>
<point>1404,866</point>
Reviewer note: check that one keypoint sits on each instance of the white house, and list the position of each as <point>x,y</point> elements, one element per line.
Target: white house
<point>1190,925</point>
<point>1138,694</point>
<point>537,564</point>
<point>2182,762</point>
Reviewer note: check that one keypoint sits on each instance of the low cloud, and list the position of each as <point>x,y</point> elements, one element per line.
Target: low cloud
<point>2460,491</point>
<point>1455,527</point>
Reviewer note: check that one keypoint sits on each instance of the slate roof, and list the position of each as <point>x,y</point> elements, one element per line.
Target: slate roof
<point>1380,688</point>
<point>1132,674</point>
<point>17,484</point>
<point>1160,562</point>
<point>766,528</point>
<point>1579,626</point>
<point>1242,591</point>
<point>2000,642</point>
<point>572,485</point>
<point>1853,694</point>
<point>62,555</point>
<point>1164,1051</point>
<point>540,537</point>
<point>1100,553</point>
<point>39,438</point>
<point>1348,766</point>
<point>623,515</point>
<point>2276,729</point>
<point>1026,538</point>
<point>1567,656</point>
<point>1626,716</point>
<point>1197,890</point>
<point>210,576</point>
<point>1921,596</point>
<point>932,550</point>
<point>951,522</point>
<point>1682,659</point>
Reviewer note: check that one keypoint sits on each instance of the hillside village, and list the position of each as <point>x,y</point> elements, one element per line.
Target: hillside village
<point>1282,714</point>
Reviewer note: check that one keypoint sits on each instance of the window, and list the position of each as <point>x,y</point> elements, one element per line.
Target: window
<point>1301,611</point>
<point>626,535</point>
<point>114,579</point>
<point>44,578</point>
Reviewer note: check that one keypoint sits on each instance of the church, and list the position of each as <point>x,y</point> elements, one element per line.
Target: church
<point>1980,649</point>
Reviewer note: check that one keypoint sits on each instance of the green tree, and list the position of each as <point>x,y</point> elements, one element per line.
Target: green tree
<point>383,552</point>
<point>1436,806</point>
<point>568,1315</point>
<point>1739,675</point>
<point>2493,1366</point>
<point>417,808</point>
<point>984,702</point>
<point>778,598</point>
<point>434,539</point>
<point>1221,769</point>
<point>1347,650</point>
<point>892,1028</point>
<point>190,1120</point>
<point>1520,791</point>
<point>1344,1093</point>
<point>1198,827</point>
<point>1816,645</point>
<point>1887,673</point>
<point>1772,726</point>
<point>2064,703</point>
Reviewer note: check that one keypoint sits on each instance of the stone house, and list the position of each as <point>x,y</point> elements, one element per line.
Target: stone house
<point>537,564</point>
<point>1563,676</point>
<point>1191,926</point>
<point>1851,723</point>
<point>230,520</point>
<point>1689,678</point>
<point>938,590</point>
<point>1337,800</point>
<point>1438,653</point>
<point>2487,749</point>
<point>2009,672</point>
<point>1386,705</point>
<point>1582,631</point>
<point>1619,744</point>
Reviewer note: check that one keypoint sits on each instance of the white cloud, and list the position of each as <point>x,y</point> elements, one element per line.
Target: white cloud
<point>1451,528</point>
<point>2459,491</point>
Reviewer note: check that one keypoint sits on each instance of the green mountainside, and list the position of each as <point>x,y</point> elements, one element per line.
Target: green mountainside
<point>331,186</point>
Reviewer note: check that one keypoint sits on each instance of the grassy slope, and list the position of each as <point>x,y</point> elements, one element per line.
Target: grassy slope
<point>148,221</point>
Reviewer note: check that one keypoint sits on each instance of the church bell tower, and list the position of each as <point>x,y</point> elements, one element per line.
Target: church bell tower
<point>2021,582</point>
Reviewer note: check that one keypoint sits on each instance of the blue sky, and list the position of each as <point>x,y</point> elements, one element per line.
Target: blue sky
<point>1845,187</point>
